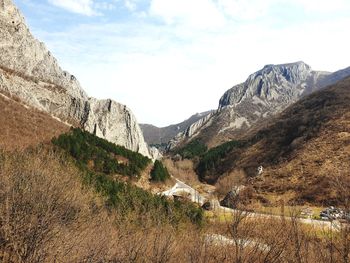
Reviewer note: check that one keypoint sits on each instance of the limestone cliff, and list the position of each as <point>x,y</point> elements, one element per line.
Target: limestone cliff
<point>29,71</point>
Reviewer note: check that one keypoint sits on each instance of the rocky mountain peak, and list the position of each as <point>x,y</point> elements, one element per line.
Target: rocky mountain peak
<point>292,72</point>
<point>270,83</point>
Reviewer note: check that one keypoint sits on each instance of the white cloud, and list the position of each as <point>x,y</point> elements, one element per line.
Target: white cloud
<point>131,5</point>
<point>104,5</point>
<point>246,9</point>
<point>324,6</point>
<point>84,7</point>
<point>196,13</point>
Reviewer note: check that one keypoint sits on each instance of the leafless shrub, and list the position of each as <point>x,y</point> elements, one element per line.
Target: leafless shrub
<point>183,170</point>
<point>232,179</point>
<point>44,213</point>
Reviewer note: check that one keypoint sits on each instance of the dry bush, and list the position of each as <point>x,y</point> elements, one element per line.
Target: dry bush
<point>226,183</point>
<point>183,170</point>
<point>257,238</point>
<point>46,215</point>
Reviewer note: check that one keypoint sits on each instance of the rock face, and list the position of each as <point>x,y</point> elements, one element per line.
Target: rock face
<point>274,86</point>
<point>114,122</point>
<point>31,73</point>
<point>191,130</point>
<point>155,135</point>
<point>264,94</point>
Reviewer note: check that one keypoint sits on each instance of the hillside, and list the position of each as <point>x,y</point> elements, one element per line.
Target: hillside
<point>50,213</point>
<point>54,209</point>
<point>304,152</point>
<point>158,136</point>
<point>23,126</point>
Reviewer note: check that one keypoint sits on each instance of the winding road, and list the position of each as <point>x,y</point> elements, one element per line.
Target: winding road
<point>180,188</point>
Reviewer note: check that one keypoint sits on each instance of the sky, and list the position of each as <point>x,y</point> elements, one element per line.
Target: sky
<point>169,59</point>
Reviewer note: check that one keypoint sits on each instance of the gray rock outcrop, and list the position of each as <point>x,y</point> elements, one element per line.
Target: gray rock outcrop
<point>274,86</point>
<point>161,136</point>
<point>264,94</point>
<point>30,72</point>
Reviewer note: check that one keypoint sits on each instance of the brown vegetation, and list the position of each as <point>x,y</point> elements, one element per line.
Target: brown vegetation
<point>182,170</point>
<point>46,215</point>
<point>301,150</point>
<point>22,126</point>
<point>225,183</point>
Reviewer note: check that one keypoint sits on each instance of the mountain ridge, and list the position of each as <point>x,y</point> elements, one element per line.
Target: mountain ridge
<point>30,72</point>
<point>162,135</point>
<point>264,94</point>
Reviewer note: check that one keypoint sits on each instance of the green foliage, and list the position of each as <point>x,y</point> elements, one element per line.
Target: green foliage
<point>159,173</point>
<point>102,155</point>
<point>129,201</point>
<point>136,203</point>
<point>192,149</point>
<point>211,159</point>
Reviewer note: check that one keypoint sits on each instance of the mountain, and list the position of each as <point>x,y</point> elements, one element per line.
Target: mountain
<point>264,94</point>
<point>304,152</point>
<point>29,72</point>
<point>155,135</point>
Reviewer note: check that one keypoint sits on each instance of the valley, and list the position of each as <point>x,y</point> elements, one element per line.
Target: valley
<point>265,177</point>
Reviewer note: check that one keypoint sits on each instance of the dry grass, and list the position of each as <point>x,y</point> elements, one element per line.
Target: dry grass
<point>46,216</point>
<point>22,127</point>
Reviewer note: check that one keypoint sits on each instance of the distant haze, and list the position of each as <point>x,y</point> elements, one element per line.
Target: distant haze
<point>168,59</point>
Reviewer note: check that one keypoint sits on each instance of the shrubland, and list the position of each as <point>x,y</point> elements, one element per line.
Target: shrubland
<point>49,214</point>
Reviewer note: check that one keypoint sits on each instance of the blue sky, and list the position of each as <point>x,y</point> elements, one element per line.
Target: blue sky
<point>168,59</point>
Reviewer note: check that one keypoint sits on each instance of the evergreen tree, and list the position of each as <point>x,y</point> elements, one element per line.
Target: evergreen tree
<point>159,173</point>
